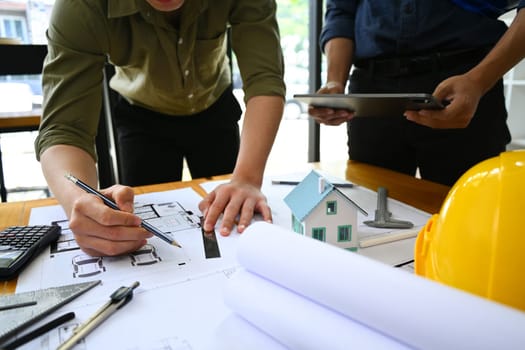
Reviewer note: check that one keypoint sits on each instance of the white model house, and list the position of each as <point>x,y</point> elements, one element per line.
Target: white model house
<point>321,211</point>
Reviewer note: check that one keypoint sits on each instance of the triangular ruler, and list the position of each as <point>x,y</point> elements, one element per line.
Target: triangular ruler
<point>16,317</point>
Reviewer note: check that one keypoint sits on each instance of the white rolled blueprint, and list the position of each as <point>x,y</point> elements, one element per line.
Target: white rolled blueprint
<point>293,287</point>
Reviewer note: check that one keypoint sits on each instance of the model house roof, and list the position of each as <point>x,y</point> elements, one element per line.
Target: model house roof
<point>311,191</point>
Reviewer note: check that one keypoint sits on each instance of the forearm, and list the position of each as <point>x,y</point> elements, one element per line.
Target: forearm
<point>56,161</point>
<point>509,50</point>
<point>261,122</point>
<point>339,53</point>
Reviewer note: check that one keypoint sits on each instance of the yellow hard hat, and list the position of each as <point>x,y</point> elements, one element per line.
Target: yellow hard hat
<point>477,241</point>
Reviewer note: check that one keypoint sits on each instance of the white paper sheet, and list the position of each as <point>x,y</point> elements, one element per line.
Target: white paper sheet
<point>178,316</point>
<point>169,264</point>
<point>400,247</point>
<point>177,306</point>
<point>297,322</point>
<point>235,333</point>
<point>415,311</point>
<point>366,199</point>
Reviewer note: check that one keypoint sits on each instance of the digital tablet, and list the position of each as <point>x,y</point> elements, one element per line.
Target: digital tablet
<point>373,105</point>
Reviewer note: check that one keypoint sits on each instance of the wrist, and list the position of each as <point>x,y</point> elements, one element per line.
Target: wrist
<point>331,84</point>
<point>252,178</point>
<point>482,82</point>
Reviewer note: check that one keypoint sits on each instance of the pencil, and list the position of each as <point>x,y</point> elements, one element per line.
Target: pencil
<point>17,305</point>
<point>39,331</point>
<point>112,205</point>
<point>336,184</point>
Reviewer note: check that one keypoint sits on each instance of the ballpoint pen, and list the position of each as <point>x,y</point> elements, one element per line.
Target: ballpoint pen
<point>112,205</point>
<point>118,299</point>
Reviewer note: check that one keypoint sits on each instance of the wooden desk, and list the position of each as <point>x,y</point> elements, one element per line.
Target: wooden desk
<point>425,195</point>
<point>20,121</point>
<point>422,194</point>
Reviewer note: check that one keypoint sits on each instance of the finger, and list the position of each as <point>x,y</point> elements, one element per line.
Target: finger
<point>443,91</point>
<point>92,231</point>
<point>332,121</point>
<point>425,119</point>
<point>265,210</point>
<point>86,227</point>
<point>94,208</point>
<point>320,112</point>
<point>326,114</point>
<point>231,211</point>
<point>416,115</point>
<point>246,216</point>
<point>100,247</point>
<point>206,202</point>
<point>215,210</point>
<point>439,119</point>
<point>122,196</point>
<point>107,240</point>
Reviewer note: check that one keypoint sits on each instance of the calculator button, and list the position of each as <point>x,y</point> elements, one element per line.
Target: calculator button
<point>20,244</point>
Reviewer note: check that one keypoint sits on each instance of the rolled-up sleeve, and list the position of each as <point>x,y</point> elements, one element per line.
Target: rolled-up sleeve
<point>256,44</point>
<point>72,77</point>
<point>339,21</point>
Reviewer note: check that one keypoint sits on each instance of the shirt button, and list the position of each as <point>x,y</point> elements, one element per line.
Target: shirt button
<point>186,72</point>
<point>180,41</point>
<point>190,96</point>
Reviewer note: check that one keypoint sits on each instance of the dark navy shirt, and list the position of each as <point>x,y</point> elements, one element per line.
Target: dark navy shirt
<point>391,28</point>
<point>491,8</point>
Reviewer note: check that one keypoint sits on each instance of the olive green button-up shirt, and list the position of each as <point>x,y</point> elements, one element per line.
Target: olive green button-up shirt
<point>172,63</point>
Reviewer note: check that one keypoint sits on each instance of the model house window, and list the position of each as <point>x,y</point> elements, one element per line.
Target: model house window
<point>319,233</point>
<point>344,233</point>
<point>297,226</point>
<point>331,208</point>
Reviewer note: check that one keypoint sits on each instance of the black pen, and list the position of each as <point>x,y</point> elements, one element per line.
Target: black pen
<point>112,205</point>
<point>336,184</point>
<point>38,332</point>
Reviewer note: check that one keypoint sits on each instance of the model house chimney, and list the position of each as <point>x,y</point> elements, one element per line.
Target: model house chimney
<point>322,184</point>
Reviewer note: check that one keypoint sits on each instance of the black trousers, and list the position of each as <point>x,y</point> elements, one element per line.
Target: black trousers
<point>151,146</point>
<point>442,155</point>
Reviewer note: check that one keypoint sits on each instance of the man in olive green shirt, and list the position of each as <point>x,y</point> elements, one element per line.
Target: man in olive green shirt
<point>173,73</point>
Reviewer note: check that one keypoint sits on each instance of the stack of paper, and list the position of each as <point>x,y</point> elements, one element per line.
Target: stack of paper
<point>310,295</point>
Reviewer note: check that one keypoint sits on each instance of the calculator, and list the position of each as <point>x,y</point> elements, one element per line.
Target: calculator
<point>21,244</point>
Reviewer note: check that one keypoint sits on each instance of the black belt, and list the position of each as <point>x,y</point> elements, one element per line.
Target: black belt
<point>410,65</point>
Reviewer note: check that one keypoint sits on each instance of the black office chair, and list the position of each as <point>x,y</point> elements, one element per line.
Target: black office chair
<point>28,60</point>
<point>20,60</point>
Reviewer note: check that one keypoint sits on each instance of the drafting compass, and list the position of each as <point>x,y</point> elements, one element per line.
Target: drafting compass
<point>117,300</point>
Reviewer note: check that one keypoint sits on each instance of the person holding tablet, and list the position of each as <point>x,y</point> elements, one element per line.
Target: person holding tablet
<point>456,50</point>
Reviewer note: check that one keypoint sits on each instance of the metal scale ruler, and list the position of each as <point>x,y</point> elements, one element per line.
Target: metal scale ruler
<point>15,316</point>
